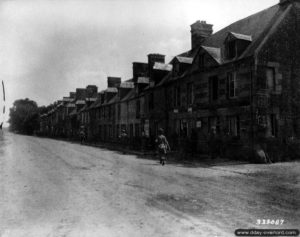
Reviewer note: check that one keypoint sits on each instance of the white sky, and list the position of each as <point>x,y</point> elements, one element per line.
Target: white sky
<point>50,47</point>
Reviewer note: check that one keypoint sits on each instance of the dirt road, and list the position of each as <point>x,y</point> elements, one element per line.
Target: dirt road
<point>54,188</point>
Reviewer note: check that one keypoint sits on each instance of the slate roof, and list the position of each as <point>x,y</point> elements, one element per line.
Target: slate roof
<point>214,52</point>
<point>73,112</point>
<point>70,105</point>
<point>129,95</point>
<point>92,99</point>
<point>162,66</point>
<point>80,102</point>
<point>127,85</point>
<point>143,80</point>
<point>241,36</point>
<point>257,26</point>
<point>113,100</point>
<point>165,79</point>
<point>187,60</point>
<point>112,90</point>
<point>253,28</point>
<point>95,104</point>
<point>83,109</point>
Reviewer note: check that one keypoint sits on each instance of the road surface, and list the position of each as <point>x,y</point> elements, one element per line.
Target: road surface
<point>53,188</point>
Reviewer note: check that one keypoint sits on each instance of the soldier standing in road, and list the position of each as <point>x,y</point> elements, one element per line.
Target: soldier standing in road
<point>162,146</point>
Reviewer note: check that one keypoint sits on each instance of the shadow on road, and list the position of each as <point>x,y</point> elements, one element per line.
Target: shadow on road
<point>194,162</point>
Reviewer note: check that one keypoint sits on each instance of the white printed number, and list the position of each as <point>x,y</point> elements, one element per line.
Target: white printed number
<point>269,222</point>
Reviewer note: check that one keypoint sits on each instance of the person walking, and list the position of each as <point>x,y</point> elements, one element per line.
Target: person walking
<point>124,140</point>
<point>82,136</point>
<point>162,146</point>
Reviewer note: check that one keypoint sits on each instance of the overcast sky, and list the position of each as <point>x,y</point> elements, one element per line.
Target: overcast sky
<point>50,47</point>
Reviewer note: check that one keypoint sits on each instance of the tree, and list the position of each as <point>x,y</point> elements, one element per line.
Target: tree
<point>24,116</point>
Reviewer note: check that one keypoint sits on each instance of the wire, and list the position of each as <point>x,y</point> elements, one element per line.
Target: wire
<point>3,109</point>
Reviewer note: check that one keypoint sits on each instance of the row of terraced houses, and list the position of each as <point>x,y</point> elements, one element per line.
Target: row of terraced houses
<point>243,81</point>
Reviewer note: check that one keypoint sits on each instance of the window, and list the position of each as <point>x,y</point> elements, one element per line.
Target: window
<point>138,109</point>
<point>214,123</point>
<point>131,130</point>
<point>214,88</point>
<point>110,132</point>
<point>100,129</point>
<point>109,112</point>
<point>273,124</point>
<point>117,130</point>
<point>270,77</point>
<point>119,111</point>
<point>190,93</point>
<point>183,128</point>
<point>137,130</point>
<point>234,125</point>
<point>151,101</point>
<point>231,84</point>
<point>201,60</point>
<point>176,96</point>
<point>231,49</point>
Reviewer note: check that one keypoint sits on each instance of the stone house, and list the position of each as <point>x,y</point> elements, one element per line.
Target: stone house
<point>243,80</point>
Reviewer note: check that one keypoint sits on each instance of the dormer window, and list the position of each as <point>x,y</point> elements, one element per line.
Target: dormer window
<point>236,44</point>
<point>181,64</point>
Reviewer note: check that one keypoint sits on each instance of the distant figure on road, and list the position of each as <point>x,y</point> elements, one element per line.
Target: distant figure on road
<point>143,141</point>
<point>261,155</point>
<point>124,139</point>
<point>82,135</point>
<point>214,143</point>
<point>194,141</point>
<point>123,136</point>
<point>162,146</point>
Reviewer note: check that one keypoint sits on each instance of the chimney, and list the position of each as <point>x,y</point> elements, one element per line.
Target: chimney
<point>80,94</point>
<point>72,95</point>
<point>200,30</point>
<point>139,70</point>
<point>113,82</point>
<point>152,59</point>
<point>91,91</point>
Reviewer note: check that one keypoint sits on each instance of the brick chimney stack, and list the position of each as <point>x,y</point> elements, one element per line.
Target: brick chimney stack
<point>199,31</point>
<point>113,82</point>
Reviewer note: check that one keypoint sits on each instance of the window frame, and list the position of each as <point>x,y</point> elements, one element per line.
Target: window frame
<point>190,93</point>
<point>231,49</point>
<point>273,79</point>
<point>231,78</point>
<point>214,84</point>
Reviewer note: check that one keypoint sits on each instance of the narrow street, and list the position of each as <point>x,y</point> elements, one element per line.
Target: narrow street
<point>54,188</point>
